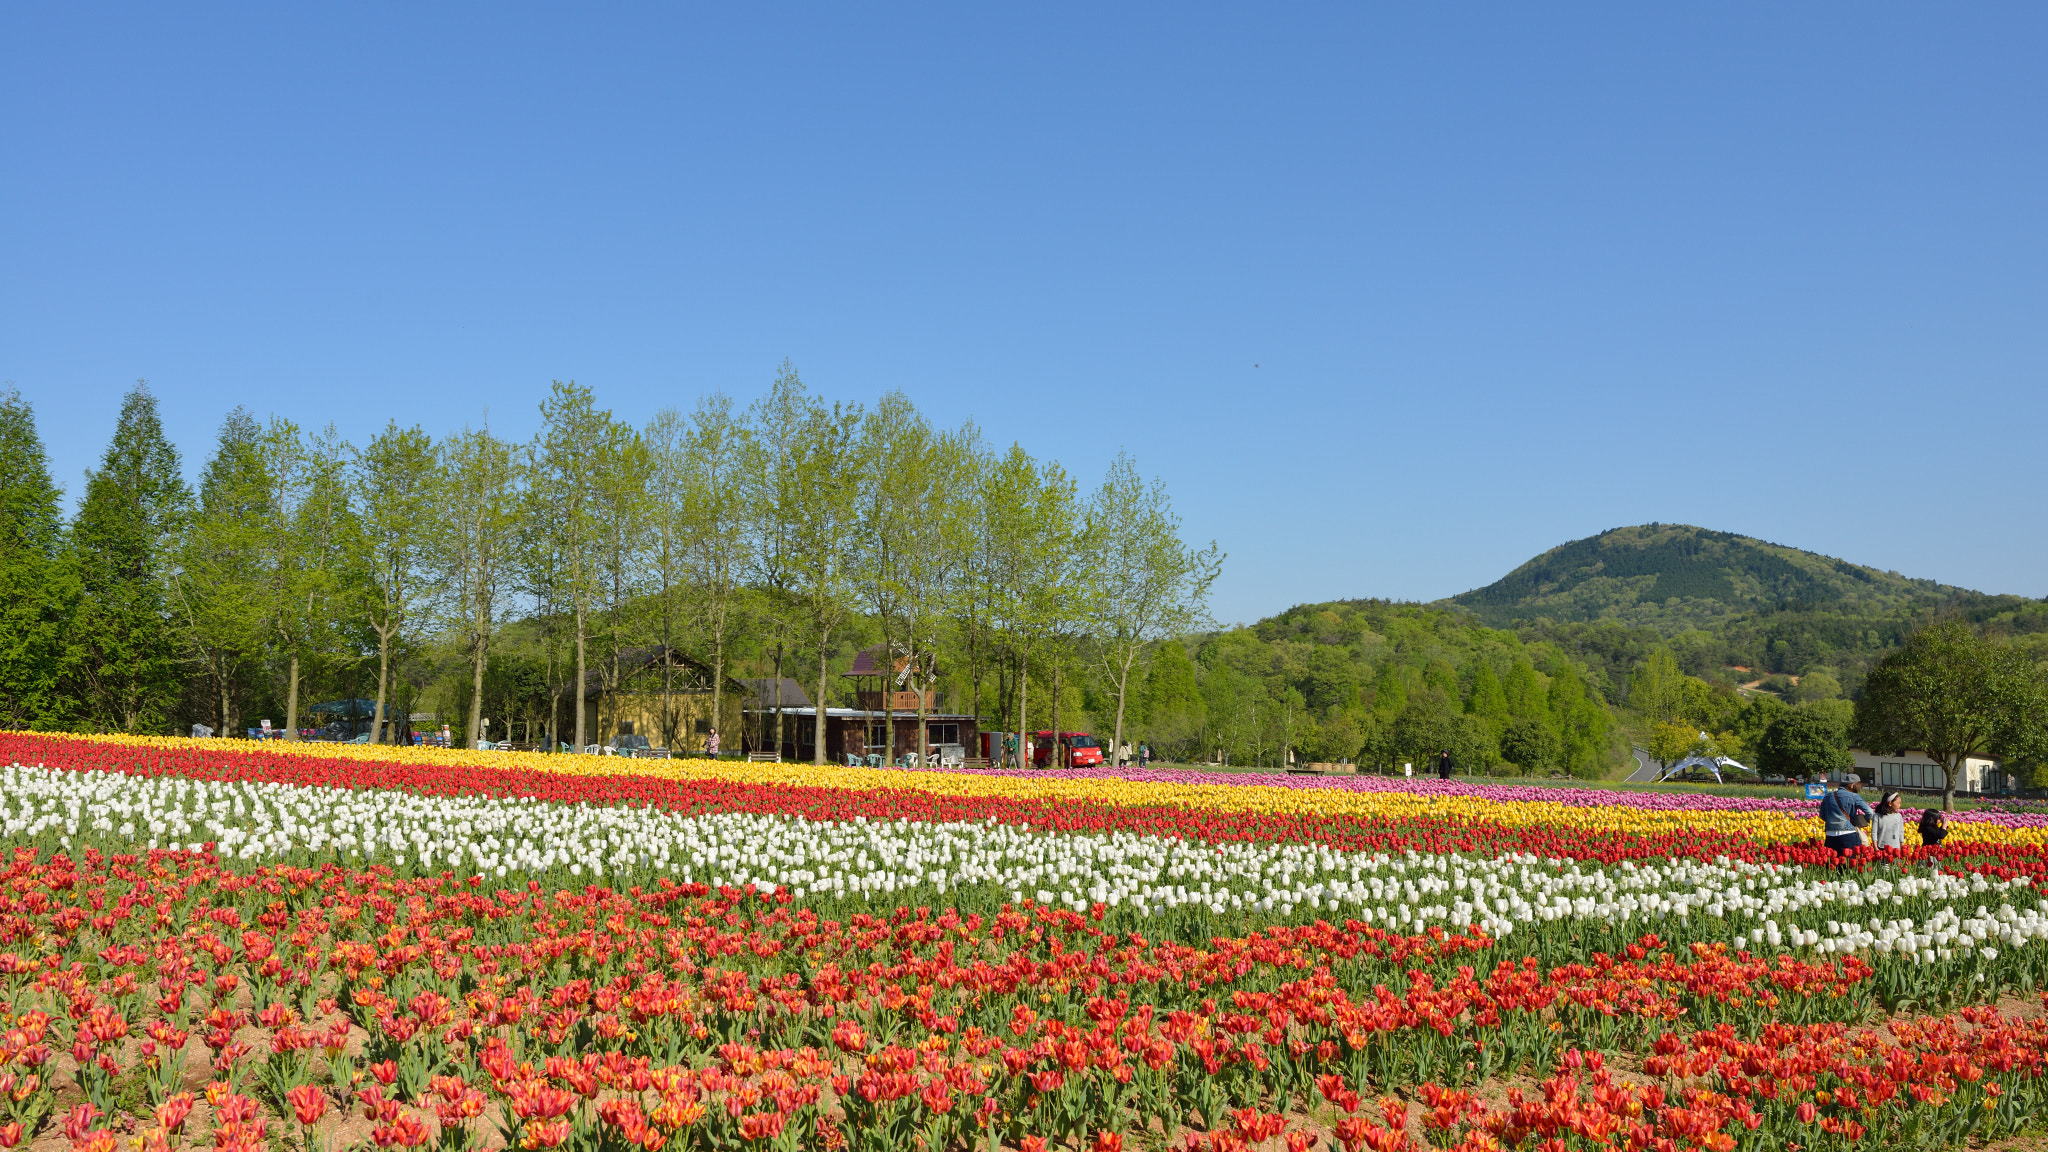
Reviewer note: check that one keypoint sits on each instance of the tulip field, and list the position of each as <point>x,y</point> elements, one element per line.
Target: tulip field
<point>325,947</point>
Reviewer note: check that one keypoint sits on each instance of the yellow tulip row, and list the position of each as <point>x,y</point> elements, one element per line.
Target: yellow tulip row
<point>1388,807</point>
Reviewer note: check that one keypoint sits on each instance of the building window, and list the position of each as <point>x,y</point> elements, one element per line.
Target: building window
<point>1906,774</point>
<point>878,735</point>
<point>945,733</point>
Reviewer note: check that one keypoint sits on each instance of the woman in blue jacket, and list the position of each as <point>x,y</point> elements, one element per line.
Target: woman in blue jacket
<point>1842,812</point>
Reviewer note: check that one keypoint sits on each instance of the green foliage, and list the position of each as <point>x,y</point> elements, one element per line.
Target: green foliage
<point>1740,740</point>
<point>1953,693</point>
<point>38,583</point>
<point>1804,742</point>
<point>1530,745</point>
<point>1585,723</point>
<point>1384,683</point>
<point>1488,701</point>
<point>1657,689</point>
<point>223,593</point>
<point>1427,727</point>
<point>1670,742</point>
<point>120,651</point>
<point>1819,684</point>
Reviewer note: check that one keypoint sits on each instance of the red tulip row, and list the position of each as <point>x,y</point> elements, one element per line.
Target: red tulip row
<point>1927,1083</point>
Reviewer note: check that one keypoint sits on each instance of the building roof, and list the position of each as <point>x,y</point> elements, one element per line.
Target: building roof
<point>868,662</point>
<point>691,674</point>
<point>899,714</point>
<point>761,693</point>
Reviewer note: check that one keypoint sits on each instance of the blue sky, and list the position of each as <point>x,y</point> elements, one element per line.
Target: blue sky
<point>1392,299</point>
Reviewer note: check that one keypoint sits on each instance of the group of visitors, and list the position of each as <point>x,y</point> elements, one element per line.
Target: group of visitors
<point>1846,817</point>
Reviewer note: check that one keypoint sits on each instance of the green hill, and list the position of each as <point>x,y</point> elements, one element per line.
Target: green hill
<point>1672,578</point>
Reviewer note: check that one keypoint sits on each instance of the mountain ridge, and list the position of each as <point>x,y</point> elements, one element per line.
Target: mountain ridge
<point>1677,577</point>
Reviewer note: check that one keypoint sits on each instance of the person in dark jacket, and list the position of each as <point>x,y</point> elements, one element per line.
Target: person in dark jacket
<point>1933,826</point>
<point>1445,766</point>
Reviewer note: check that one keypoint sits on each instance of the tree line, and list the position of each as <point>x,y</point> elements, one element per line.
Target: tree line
<point>1952,690</point>
<point>1381,684</point>
<point>471,570</point>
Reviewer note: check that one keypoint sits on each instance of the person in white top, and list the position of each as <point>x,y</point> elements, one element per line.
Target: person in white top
<point>1889,829</point>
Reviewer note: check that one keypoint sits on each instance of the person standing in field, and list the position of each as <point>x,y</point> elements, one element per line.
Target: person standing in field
<point>1889,829</point>
<point>1445,766</point>
<point>711,743</point>
<point>1842,814</point>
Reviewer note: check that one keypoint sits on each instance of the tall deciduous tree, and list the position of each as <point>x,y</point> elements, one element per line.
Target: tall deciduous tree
<point>393,482</point>
<point>1005,488</point>
<point>704,494</point>
<point>1144,584</point>
<point>477,512</point>
<point>620,514</point>
<point>822,479</point>
<point>1656,688</point>
<point>224,590</point>
<point>1671,742</point>
<point>566,461</point>
<point>1489,703</point>
<point>1953,694</point>
<point>38,580</point>
<point>121,649</point>
<point>320,557</point>
<point>915,531</point>
<point>777,426</point>
<point>1026,514</point>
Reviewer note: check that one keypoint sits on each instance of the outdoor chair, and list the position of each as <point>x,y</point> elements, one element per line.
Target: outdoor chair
<point>874,759</point>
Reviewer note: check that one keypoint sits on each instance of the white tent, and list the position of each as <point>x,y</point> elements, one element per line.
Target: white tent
<point>1713,763</point>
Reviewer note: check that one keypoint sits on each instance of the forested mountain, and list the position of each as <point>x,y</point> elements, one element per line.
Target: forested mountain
<point>1559,663</point>
<point>1675,577</point>
<point>1730,607</point>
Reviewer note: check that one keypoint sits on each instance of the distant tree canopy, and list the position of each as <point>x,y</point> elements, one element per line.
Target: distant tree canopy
<point>1381,684</point>
<point>1954,693</point>
<point>1804,743</point>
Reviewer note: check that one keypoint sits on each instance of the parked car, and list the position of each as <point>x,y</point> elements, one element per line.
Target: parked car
<point>1083,750</point>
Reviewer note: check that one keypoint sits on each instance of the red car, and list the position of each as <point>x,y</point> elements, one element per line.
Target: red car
<point>1082,749</point>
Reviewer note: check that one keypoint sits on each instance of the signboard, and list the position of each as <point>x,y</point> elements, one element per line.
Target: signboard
<point>421,718</point>
<point>1816,791</point>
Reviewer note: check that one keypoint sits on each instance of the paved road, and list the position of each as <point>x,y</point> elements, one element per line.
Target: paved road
<point>1646,768</point>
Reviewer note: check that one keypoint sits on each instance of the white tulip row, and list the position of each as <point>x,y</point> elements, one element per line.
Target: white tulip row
<point>860,859</point>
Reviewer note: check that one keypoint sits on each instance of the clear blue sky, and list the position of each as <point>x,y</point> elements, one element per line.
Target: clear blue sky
<point>1509,275</point>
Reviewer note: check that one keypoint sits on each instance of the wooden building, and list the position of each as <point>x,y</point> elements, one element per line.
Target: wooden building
<point>858,732</point>
<point>666,696</point>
